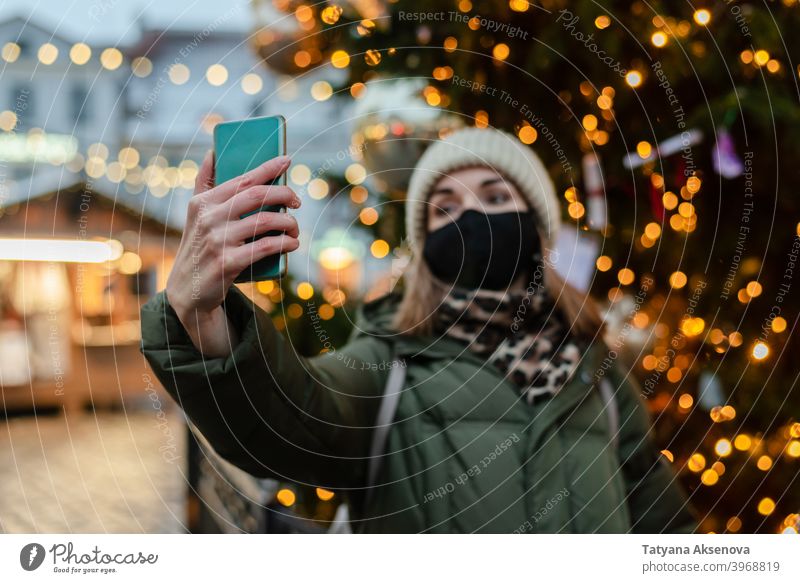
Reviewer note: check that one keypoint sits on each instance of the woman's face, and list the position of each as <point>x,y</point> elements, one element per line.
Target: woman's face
<point>479,188</point>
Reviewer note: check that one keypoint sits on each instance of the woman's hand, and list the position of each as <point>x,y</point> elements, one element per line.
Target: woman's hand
<point>213,252</point>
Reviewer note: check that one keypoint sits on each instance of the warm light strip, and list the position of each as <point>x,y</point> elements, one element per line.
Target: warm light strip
<point>59,250</point>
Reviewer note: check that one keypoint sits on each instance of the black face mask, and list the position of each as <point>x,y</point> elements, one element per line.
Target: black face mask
<point>483,250</point>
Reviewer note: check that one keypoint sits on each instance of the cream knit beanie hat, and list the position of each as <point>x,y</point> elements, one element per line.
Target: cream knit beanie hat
<point>495,149</point>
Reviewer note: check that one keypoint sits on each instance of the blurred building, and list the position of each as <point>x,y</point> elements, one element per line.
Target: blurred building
<point>99,150</point>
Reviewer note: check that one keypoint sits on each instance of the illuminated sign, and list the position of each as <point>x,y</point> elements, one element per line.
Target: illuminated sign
<point>37,147</point>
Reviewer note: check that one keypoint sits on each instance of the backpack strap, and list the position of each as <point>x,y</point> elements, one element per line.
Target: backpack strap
<point>383,423</point>
<point>606,390</point>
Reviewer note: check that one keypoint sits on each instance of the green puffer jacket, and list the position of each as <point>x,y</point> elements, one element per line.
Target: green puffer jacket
<point>466,453</point>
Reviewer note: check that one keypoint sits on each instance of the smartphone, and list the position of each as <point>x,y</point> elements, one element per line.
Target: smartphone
<point>240,146</point>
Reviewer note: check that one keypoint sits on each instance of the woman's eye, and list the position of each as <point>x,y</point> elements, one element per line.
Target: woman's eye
<point>445,209</point>
<point>498,197</point>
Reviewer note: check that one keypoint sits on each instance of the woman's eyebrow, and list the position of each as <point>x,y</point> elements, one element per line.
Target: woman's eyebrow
<point>490,181</point>
<point>444,190</point>
<point>486,182</point>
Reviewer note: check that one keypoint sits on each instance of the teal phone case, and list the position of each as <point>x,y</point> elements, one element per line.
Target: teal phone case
<point>240,146</point>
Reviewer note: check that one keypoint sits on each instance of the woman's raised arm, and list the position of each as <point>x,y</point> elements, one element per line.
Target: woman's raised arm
<point>262,407</point>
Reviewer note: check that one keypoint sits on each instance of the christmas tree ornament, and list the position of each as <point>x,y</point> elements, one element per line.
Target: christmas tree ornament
<point>394,125</point>
<point>657,202</point>
<point>596,215</point>
<point>709,390</point>
<point>726,162</point>
<point>682,142</point>
<point>575,256</point>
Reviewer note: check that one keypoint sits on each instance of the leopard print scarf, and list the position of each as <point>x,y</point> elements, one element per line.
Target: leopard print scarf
<point>521,333</point>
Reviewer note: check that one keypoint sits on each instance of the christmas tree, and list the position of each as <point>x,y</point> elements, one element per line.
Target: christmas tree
<point>670,130</point>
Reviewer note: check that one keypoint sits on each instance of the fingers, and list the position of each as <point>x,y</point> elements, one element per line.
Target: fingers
<point>261,175</point>
<point>257,196</point>
<point>205,176</point>
<point>260,223</point>
<point>238,258</point>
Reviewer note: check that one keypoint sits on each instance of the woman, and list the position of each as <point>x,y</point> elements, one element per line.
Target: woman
<point>500,426</point>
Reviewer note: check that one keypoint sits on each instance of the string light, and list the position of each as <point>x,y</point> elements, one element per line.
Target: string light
<point>47,54</point>
<point>760,350</point>
<point>696,462</point>
<point>331,14</point>
<point>10,52</point>
<point>379,248</point>
<point>603,263</point>
<point>677,280</point>
<point>80,53</point>
<point>286,497</point>
<point>527,134</point>
<point>217,74</point>
<point>324,494</point>
<point>300,174</point>
<point>252,83</point>
<point>501,51</point>
<point>723,447</point>
<point>576,210</point>
<point>111,58</point>
<point>340,59</point>
<point>321,90</point>
<point>702,17</point>
<point>761,57</point>
<point>141,66</point>
<point>742,442</point>
<point>659,39</point>
<point>318,188</point>
<point>355,173</point>
<point>305,291</point>
<point>294,311</point>
<point>368,216</point>
<point>766,506</point>
<point>178,73</point>
<point>709,477</point>
<point>359,194</point>
<point>633,78</point>
<point>602,22</point>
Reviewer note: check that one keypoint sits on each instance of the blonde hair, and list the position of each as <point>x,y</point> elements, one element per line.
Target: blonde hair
<point>423,294</point>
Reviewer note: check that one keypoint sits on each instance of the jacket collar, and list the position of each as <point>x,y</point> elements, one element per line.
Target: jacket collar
<point>376,315</point>
<point>577,388</point>
<point>546,412</point>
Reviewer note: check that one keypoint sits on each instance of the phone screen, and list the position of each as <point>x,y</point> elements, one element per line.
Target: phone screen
<point>240,146</point>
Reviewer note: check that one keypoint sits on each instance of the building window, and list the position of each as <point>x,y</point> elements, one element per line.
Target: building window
<point>22,105</point>
<point>24,48</point>
<point>79,104</point>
